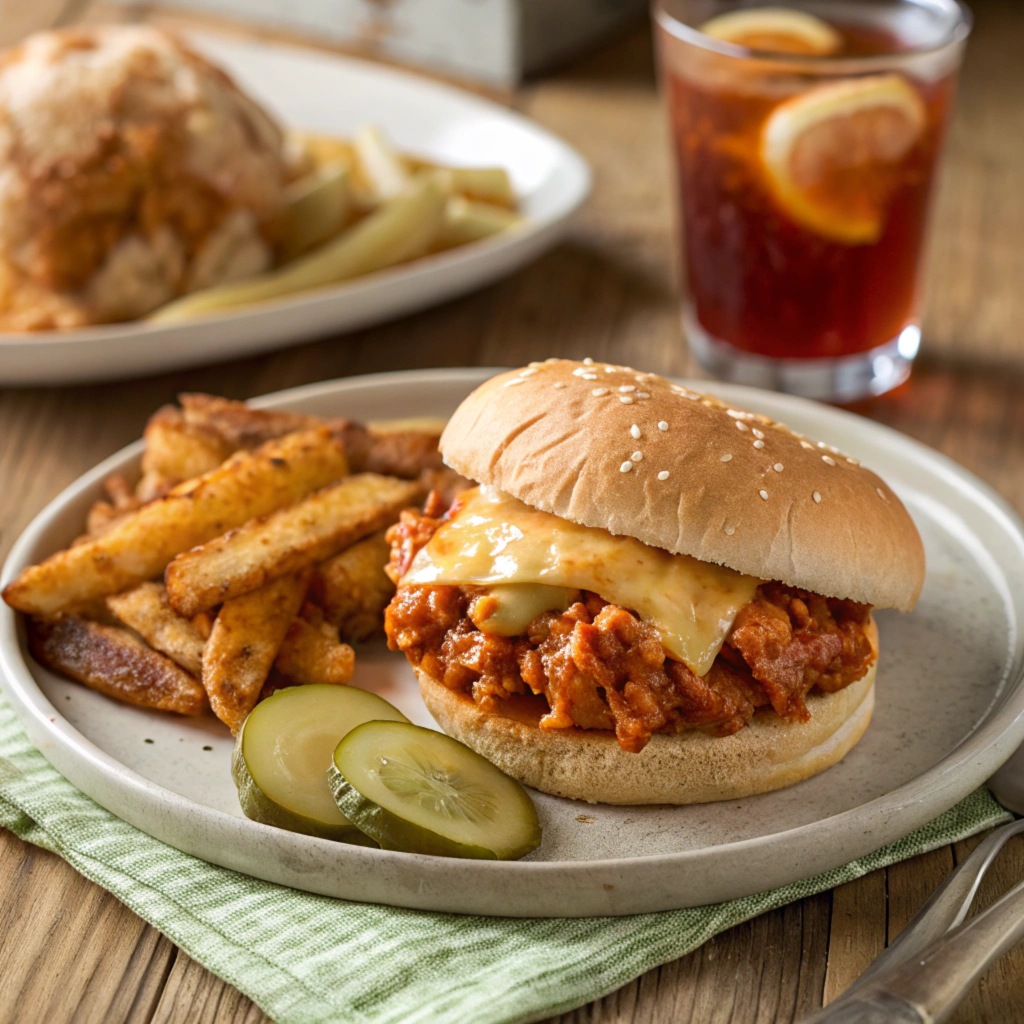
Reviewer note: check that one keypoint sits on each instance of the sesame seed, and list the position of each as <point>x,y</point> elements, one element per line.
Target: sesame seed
<point>637,456</point>
<point>599,392</point>
<point>626,388</point>
<point>589,376</point>
<point>817,498</point>
<point>609,369</point>
<point>534,365</point>
<point>626,399</point>
<point>579,371</point>
<point>807,445</point>
<point>513,383</point>
<point>725,458</point>
<point>778,467</point>
<point>759,434</point>
<point>741,425</point>
<point>663,475</point>
<point>759,444</point>
<point>730,530</point>
<point>852,462</point>
<point>559,384</point>
<point>643,394</point>
<point>662,425</point>
<point>550,359</point>
<point>634,430</point>
<point>735,414</point>
<point>764,494</point>
<point>527,372</point>
<point>625,467</point>
<point>828,460</point>
<point>588,361</point>
<point>882,494</point>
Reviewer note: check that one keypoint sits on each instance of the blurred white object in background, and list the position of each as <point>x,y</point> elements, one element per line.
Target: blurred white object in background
<point>20,18</point>
<point>492,41</point>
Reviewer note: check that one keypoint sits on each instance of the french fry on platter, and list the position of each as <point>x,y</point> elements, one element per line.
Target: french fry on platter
<point>383,170</point>
<point>490,185</point>
<point>113,662</point>
<point>284,542</point>
<point>313,653</point>
<point>317,207</point>
<point>246,638</point>
<point>146,609</point>
<point>466,220</point>
<point>353,589</point>
<point>248,484</point>
<point>400,229</point>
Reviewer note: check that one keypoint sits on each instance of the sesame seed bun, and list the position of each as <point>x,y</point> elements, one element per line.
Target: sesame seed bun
<point>606,446</point>
<point>685,768</point>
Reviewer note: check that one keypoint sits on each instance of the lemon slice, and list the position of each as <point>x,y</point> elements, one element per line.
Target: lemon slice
<point>776,30</point>
<point>832,154</point>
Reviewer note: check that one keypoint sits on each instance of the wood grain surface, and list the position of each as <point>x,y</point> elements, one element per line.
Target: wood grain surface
<point>71,952</point>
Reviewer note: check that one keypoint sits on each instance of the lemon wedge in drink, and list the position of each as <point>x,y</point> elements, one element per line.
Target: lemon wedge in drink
<point>832,155</point>
<point>775,30</point>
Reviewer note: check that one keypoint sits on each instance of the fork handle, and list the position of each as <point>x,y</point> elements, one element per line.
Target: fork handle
<point>929,987</point>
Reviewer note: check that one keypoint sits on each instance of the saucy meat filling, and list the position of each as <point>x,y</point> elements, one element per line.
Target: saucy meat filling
<point>598,666</point>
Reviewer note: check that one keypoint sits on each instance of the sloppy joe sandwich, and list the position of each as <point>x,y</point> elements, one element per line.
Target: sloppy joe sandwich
<point>648,596</point>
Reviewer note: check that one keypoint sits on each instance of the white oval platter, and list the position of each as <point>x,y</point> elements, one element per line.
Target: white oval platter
<point>337,95</point>
<point>950,697</point>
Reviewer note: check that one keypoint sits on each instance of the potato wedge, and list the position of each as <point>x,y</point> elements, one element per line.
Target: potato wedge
<point>399,230</point>
<point>112,661</point>
<point>317,207</point>
<point>382,169</point>
<point>238,425</point>
<point>246,638</point>
<point>284,542</point>
<point>177,450</point>
<point>490,185</point>
<point>147,610</point>
<point>140,547</point>
<point>353,589</point>
<point>313,653</point>
<point>466,220</point>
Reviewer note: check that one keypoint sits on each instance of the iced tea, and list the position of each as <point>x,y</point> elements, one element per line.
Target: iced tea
<point>804,189</point>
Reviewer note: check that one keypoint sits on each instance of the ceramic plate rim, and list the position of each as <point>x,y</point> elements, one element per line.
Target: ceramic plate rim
<point>1002,727</point>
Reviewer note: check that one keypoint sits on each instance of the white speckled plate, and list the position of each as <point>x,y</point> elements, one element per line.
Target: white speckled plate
<point>337,95</point>
<point>950,697</point>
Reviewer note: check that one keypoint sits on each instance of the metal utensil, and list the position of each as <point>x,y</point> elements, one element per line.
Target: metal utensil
<point>934,962</point>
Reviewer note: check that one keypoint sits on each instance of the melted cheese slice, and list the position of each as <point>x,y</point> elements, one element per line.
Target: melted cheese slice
<point>496,539</point>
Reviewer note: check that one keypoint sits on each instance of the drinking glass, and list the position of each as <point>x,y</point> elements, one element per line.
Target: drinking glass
<point>807,141</point>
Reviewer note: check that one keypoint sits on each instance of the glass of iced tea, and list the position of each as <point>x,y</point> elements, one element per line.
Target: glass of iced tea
<point>807,140</point>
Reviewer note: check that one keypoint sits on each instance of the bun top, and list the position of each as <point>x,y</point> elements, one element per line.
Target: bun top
<point>607,446</point>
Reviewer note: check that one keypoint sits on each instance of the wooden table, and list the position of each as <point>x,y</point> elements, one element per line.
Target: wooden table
<point>71,952</point>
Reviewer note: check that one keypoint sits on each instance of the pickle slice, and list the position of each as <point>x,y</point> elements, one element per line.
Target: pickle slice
<point>283,751</point>
<point>420,791</point>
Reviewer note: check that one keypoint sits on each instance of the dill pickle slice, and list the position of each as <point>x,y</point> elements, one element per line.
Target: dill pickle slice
<point>420,791</point>
<point>283,751</point>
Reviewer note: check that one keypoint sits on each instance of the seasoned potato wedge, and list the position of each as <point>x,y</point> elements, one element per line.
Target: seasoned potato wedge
<point>112,661</point>
<point>353,589</point>
<point>313,653</point>
<point>246,638</point>
<point>139,548</point>
<point>284,542</point>
<point>146,609</point>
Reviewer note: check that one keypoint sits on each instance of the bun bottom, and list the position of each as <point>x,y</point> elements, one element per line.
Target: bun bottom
<point>685,768</point>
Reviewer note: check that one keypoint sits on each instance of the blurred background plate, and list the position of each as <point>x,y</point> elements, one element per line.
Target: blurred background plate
<point>949,710</point>
<point>337,95</point>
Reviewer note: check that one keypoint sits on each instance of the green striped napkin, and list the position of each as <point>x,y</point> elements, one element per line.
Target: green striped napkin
<point>311,959</point>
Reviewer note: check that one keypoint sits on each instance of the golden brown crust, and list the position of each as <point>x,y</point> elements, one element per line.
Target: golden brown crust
<point>560,437</point>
